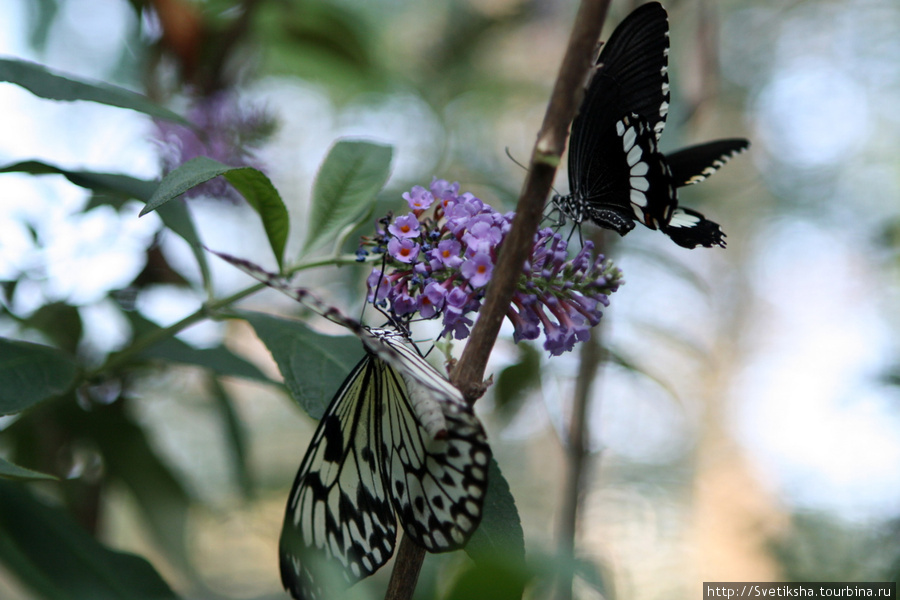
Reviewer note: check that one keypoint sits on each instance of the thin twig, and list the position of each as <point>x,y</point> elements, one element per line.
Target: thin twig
<point>468,375</point>
<point>577,448</point>
<point>206,311</point>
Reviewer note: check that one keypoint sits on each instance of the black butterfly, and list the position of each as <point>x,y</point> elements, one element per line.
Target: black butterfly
<point>616,172</point>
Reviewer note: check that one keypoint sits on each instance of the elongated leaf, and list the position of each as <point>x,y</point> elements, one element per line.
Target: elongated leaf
<point>10,471</point>
<point>190,174</point>
<point>218,359</point>
<point>174,215</point>
<point>256,188</point>
<point>235,437</point>
<point>500,532</point>
<point>115,182</point>
<point>30,373</point>
<point>130,459</point>
<point>52,554</point>
<point>515,381</point>
<point>60,322</point>
<point>313,365</point>
<point>53,86</point>
<point>346,186</point>
<point>259,192</point>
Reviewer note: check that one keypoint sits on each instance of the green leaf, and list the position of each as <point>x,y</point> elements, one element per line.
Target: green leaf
<point>259,192</point>
<point>515,381</point>
<point>52,86</point>
<point>218,359</point>
<point>313,365</point>
<point>190,174</point>
<point>115,182</point>
<point>60,322</point>
<point>129,458</point>
<point>347,183</point>
<point>256,188</point>
<point>30,373</point>
<point>175,215</point>
<point>492,577</point>
<point>10,471</point>
<point>500,532</point>
<point>236,437</point>
<point>51,554</point>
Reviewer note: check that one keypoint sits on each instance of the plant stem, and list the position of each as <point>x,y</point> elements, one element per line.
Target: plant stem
<point>207,310</point>
<point>407,565</point>
<point>578,452</point>
<point>565,99</point>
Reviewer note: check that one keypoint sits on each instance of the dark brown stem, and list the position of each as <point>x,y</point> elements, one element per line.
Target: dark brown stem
<point>568,92</point>
<point>407,565</point>
<point>468,375</point>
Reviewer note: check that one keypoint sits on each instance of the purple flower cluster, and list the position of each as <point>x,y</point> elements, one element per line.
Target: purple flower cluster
<point>439,266</point>
<point>223,129</point>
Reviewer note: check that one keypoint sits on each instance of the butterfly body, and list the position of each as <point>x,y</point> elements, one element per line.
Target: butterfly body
<point>617,174</point>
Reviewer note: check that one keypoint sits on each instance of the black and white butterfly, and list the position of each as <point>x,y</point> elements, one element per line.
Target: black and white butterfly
<point>616,172</point>
<point>397,443</point>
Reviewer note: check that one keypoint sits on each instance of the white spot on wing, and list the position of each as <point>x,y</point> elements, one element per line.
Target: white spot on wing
<point>629,138</point>
<point>640,183</point>
<point>638,198</point>
<point>634,155</point>
<point>683,219</point>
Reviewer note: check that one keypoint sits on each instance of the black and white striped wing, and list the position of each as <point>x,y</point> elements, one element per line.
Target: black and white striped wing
<point>696,163</point>
<point>631,78</point>
<point>437,482</point>
<point>397,438</point>
<point>638,185</point>
<point>339,512</point>
<point>690,229</point>
<point>629,181</point>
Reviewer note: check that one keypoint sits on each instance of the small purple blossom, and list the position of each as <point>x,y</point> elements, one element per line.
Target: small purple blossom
<point>478,269</point>
<point>443,191</point>
<point>445,274</point>
<point>404,250</point>
<point>405,227</point>
<point>418,198</point>
<point>448,253</point>
<point>378,285</point>
<point>431,299</point>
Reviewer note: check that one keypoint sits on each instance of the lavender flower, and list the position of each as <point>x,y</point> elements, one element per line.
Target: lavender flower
<point>439,266</point>
<point>224,130</point>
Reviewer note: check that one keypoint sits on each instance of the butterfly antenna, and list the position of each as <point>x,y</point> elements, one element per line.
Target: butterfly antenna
<point>376,302</point>
<point>512,158</point>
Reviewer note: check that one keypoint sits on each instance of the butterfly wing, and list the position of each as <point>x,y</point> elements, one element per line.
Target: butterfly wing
<point>339,511</point>
<point>437,481</point>
<point>396,437</point>
<point>637,183</point>
<point>631,78</point>
<point>632,72</point>
<point>696,163</point>
<point>690,229</point>
<point>629,180</point>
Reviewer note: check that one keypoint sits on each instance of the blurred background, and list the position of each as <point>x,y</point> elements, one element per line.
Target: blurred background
<point>748,428</point>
